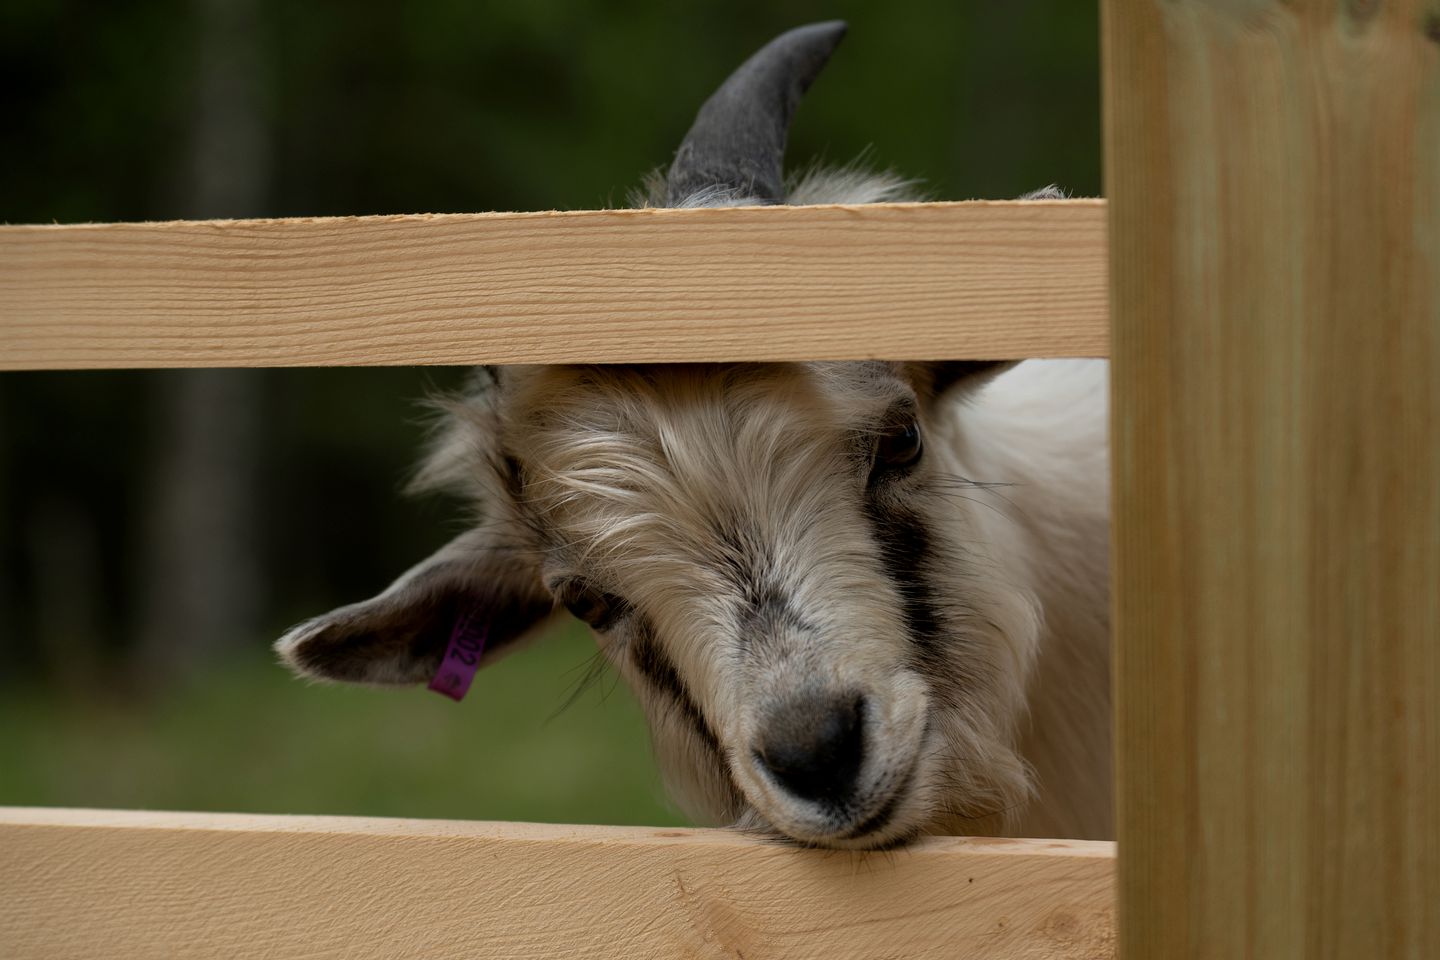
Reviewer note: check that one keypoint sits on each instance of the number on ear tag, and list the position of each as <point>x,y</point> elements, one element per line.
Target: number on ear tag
<point>462,656</point>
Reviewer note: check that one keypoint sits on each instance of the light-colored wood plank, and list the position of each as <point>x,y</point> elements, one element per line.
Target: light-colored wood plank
<point>975,280</point>
<point>1274,180</point>
<point>114,884</point>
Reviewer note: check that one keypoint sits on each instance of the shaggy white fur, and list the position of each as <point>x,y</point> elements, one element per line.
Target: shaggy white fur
<point>731,517</point>
<point>858,601</point>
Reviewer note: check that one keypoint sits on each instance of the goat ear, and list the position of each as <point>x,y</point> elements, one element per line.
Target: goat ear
<point>941,377</point>
<point>938,379</point>
<point>400,636</point>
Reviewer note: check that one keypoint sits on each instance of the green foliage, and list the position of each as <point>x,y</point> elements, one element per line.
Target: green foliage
<point>248,737</point>
<point>442,105</point>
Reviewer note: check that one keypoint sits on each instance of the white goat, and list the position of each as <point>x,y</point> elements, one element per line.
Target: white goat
<point>858,601</point>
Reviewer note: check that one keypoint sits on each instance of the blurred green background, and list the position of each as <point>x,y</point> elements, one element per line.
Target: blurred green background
<point>158,529</point>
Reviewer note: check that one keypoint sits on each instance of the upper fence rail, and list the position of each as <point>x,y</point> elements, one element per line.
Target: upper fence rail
<point>916,281</point>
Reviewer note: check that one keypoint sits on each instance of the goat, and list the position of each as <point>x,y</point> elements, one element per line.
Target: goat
<point>859,601</point>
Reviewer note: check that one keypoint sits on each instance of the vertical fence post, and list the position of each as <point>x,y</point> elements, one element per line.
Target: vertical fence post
<point>1273,170</point>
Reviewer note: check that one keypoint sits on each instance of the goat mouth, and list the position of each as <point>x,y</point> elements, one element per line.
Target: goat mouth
<point>873,830</point>
<point>876,832</point>
<point>890,811</point>
<point>878,821</point>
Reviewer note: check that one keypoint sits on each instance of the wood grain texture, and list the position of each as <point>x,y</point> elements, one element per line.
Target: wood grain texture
<point>115,884</point>
<point>1274,181</point>
<point>975,280</point>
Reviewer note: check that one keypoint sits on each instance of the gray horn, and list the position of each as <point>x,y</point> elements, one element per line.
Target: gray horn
<point>738,139</point>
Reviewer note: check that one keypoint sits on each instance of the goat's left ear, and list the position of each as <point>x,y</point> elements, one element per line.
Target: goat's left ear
<point>938,378</point>
<point>400,635</point>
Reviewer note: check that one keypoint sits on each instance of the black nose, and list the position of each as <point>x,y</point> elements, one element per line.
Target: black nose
<point>813,746</point>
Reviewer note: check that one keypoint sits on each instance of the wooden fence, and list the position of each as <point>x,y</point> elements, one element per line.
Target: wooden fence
<point>942,280</point>
<point>1273,260</point>
<point>91,883</point>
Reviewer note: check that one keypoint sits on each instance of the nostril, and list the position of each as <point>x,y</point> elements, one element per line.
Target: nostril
<point>814,747</point>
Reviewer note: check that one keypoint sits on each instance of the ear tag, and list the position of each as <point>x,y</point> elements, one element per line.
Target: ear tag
<point>462,656</point>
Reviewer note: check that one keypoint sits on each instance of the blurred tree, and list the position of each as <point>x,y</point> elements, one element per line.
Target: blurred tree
<point>201,578</point>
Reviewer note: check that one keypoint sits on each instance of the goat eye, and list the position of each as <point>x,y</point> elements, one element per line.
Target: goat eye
<point>898,446</point>
<point>596,607</point>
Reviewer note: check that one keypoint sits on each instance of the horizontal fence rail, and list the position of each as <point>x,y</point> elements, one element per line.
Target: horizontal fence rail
<point>973,280</point>
<point>122,884</point>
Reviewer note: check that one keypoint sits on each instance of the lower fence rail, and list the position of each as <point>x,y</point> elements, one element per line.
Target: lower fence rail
<point>123,884</point>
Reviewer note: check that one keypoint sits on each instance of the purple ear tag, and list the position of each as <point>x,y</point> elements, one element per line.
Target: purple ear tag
<point>462,656</point>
